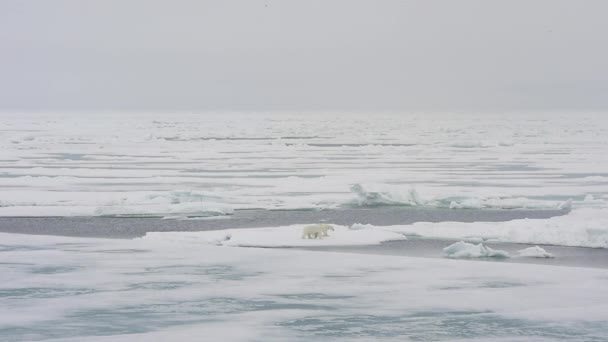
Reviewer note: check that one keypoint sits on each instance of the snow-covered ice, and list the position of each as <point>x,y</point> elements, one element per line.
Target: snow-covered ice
<point>582,227</point>
<point>535,252</point>
<point>193,286</point>
<point>290,236</point>
<point>74,289</point>
<point>128,164</point>
<point>463,249</point>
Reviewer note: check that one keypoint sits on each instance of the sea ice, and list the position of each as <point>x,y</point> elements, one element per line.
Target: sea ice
<point>359,226</point>
<point>288,236</point>
<point>535,252</point>
<point>463,249</point>
<point>374,195</point>
<point>70,165</point>
<point>167,288</point>
<point>582,227</point>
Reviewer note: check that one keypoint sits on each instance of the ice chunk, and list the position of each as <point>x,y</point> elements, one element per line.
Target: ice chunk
<point>376,194</point>
<point>566,205</point>
<point>463,249</point>
<point>507,203</point>
<point>359,226</point>
<point>535,252</point>
<point>582,227</point>
<point>372,195</point>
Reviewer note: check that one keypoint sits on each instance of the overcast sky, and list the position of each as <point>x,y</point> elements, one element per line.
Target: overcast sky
<point>132,55</point>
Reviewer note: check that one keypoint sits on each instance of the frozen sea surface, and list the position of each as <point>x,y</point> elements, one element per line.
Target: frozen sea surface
<point>75,289</point>
<point>398,188</point>
<point>207,165</point>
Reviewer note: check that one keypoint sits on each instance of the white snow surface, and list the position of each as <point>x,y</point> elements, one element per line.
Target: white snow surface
<point>154,289</point>
<point>582,227</point>
<point>289,236</point>
<point>204,164</point>
<point>535,252</point>
<point>463,249</point>
<point>193,286</point>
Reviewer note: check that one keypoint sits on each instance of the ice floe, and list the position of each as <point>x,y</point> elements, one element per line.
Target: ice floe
<point>463,249</point>
<point>373,195</point>
<point>287,236</point>
<point>535,252</point>
<point>583,227</point>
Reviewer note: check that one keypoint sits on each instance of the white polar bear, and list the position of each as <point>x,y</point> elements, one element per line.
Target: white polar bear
<point>316,231</point>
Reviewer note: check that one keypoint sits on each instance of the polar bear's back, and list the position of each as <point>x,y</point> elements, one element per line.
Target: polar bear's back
<point>318,226</point>
<point>314,228</point>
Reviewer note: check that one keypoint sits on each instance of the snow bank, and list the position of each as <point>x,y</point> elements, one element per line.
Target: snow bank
<point>377,194</point>
<point>372,195</point>
<point>583,227</point>
<point>535,252</point>
<point>178,204</point>
<point>286,236</point>
<point>463,249</point>
<point>508,203</point>
<point>359,226</point>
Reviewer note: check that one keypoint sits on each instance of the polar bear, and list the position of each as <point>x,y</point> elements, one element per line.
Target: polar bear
<point>316,231</point>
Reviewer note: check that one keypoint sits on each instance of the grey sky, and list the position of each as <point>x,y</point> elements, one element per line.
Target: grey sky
<point>303,55</point>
